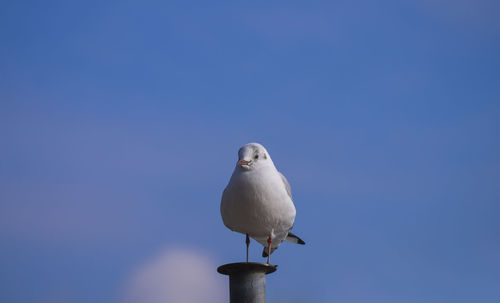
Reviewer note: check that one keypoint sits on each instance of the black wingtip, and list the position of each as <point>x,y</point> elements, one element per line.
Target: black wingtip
<point>294,239</point>
<point>264,254</point>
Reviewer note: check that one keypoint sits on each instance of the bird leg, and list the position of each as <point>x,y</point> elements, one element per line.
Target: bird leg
<point>248,244</point>
<point>269,242</point>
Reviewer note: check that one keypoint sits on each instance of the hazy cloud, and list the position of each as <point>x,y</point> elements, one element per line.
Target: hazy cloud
<point>176,276</point>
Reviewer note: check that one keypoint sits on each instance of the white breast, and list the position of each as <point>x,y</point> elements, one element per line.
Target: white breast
<point>257,203</point>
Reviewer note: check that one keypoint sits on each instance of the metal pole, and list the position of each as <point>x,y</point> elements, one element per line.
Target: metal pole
<point>247,281</point>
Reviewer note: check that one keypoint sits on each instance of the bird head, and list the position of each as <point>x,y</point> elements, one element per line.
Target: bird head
<point>252,156</point>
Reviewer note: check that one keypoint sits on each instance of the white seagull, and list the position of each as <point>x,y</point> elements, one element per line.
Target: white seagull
<point>258,202</point>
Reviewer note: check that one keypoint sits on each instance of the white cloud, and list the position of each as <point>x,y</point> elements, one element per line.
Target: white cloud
<point>176,276</point>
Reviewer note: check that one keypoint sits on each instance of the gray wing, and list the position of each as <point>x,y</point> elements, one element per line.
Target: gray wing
<point>287,185</point>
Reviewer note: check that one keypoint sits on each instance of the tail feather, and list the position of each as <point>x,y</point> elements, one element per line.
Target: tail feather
<point>294,239</point>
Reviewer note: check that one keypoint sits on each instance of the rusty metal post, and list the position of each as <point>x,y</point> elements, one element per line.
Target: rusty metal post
<point>247,281</point>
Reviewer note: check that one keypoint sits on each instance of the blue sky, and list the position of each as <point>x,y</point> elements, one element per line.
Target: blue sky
<point>120,124</point>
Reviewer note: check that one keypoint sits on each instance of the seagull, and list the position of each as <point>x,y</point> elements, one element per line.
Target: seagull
<point>257,202</point>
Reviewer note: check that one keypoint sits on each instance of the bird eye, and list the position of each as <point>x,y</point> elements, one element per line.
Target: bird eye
<point>256,157</point>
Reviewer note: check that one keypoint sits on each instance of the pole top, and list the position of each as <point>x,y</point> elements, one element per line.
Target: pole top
<point>244,267</point>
